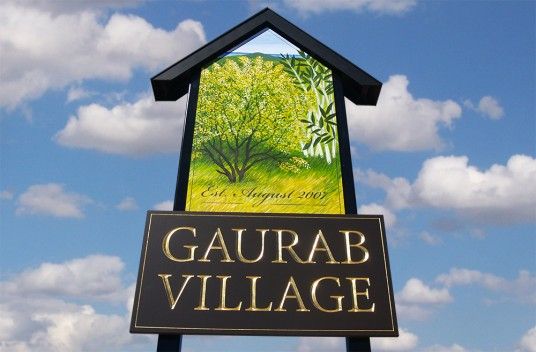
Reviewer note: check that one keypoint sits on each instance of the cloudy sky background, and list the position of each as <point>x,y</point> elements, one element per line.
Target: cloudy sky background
<point>448,156</point>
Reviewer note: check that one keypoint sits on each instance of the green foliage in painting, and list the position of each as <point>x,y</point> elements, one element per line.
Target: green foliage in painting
<point>248,113</point>
<point>315,79</point>
<point>265,137</point>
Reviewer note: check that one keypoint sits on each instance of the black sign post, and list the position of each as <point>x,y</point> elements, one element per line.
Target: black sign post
<point>265,166</point>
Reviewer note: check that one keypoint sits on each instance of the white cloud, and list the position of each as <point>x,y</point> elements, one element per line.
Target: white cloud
<point>413,311</point>
<point>376,209</point>
<point>430,239</point>
<point>416,292</point>
<point>78,328</point>
<point>439,348</point>
<point>401,122</point>
<point>528,341</point>
<point>6,195</point>
<point>457,277</point>
<point>95,276</point>
<point>325,344</point>
<point>61,7</point>
<point>77,93</point>
<point>138,128</point>
<point>417,301</point>
<point>522,287</point>
<point>398,189</point>
<point>487,106</point>
<point>490,107</point>
<point>165,205</point>
<point>42,50</point>
<point>502,194</point>
<point>377,6</point>
<point>33,318</point>
<point>51,199</point>
<point>407,341</point>
<point>127,204</point>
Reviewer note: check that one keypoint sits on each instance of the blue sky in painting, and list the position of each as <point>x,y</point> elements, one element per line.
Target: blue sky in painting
<point>268,42</point>
<point>448,156</point>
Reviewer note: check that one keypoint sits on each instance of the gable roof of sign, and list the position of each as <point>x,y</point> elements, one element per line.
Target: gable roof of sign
<point>173,82</point>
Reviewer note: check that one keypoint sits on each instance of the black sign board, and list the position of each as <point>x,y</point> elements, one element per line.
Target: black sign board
<point>263,274</point>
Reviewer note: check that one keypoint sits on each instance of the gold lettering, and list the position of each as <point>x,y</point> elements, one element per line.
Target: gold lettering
<point>239,246</point>
<point>296,296</point>
<point>314,287</point>
<point>203,295</point>
<point>223,305</point>
<point>324,248</point>
<point>355,294</point>
<point>287,247</point>
<point>167,251</point>
<point>253,307</point>
<point>169,293</point>
<point>357,245</point>
<point>222,247</point>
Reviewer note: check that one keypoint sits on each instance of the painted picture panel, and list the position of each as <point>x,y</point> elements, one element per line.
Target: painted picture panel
<point>265,136</point>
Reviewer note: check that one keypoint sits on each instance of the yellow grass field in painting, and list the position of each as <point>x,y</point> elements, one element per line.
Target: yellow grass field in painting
<point>266,189</point>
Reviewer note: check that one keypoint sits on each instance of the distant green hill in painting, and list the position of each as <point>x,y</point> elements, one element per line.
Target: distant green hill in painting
<point>235,56</point>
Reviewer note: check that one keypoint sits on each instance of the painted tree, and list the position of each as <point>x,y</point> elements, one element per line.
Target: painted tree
<point>248,113</point>
<point>321,124</point>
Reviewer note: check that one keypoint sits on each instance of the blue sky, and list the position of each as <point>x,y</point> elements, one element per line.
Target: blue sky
<point>448,156</point>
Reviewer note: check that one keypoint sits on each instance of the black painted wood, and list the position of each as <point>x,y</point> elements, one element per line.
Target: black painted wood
<point>344,147</point>
<point>172,83</point>
<point>183,171</point>
<point>353,344</point>
<point>169,343</point>
<point>172,343</point>
<point>358,344</point>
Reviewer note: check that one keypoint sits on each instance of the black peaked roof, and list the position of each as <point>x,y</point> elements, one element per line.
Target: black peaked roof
<point>173,82</point>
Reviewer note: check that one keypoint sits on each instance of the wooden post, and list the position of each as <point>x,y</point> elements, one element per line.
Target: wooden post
<point>169,343</point>
<point>353,344</point>
<point>357,344</point>
<point>172,343</point>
